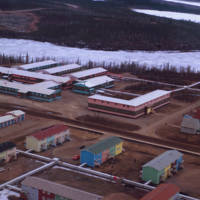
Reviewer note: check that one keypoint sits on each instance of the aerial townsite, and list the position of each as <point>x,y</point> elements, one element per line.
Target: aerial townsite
<point>100,100</point>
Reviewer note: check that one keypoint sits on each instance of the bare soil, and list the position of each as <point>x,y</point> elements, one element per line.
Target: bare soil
<point>17,168</point>
<point>19,20</point>
<point>95,119</point>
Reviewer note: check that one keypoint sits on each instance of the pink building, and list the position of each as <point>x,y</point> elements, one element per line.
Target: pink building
<point>129,108</point>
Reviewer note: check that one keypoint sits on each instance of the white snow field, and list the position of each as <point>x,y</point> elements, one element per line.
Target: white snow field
<point>172,15</point>
<point>192,3</point>
<point>5,193</point>
<point>158,59</point>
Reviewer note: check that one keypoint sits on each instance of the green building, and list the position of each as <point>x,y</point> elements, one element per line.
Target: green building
<point>161,167</point>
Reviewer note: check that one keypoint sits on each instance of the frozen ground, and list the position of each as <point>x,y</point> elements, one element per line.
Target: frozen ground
<point>43,49</point>
<point>5,193</point>
<point>171,15</point>
<point>192,3</point>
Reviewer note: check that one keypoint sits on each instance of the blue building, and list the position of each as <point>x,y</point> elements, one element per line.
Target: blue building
<point>89,86</point>
<point>100,152</point>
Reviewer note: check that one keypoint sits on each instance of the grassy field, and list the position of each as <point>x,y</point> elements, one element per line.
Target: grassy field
<point>109,25</point>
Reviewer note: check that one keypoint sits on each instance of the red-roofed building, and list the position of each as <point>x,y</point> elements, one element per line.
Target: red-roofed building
<point>163,192</point>
<point>50,136</point>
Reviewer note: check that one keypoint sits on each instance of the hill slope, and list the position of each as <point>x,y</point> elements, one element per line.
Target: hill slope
<point>108,25</point>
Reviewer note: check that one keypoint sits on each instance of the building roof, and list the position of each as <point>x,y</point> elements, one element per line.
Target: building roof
<point>62,68</point>
<point>162,192</point>
<point>88,72</point>
<point>164,160</point>
<point>16,112</point>
<point>36,75</point>
<point>25,88</point>
<point>58,189</point>
<point>37,64</point>
<point>133,102</point>
<point>190,123</point>
<point>103,145</point>
<point>93,82</point>
<point>6,145</point>
<point>149,97</point>
<point>50,131</point>
<point>6,118</point>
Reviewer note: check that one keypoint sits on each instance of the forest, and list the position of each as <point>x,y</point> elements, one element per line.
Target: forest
<point>109,25</point>
<point>168,74</point>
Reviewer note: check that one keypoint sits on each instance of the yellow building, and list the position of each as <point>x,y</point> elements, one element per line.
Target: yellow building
<point>50,136</point>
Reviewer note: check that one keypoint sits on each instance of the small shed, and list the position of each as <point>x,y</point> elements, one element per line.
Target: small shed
<point>7,151</point>
<point>11,118</point>
<point>102,151</point>
<point>190,125</point>
<point>163,166</point>
<point>163,192</point>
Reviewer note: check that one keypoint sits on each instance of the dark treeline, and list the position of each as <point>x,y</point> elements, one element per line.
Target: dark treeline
<point>167,73</point>
<point>170,74</point>
<point>109,25</point>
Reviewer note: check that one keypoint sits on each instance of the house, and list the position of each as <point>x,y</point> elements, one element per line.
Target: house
<point>11,118</point>
<point>89,86</point>
<point>65,69</point>
<point>36,188</point>
<point>102,151</point>
<point>133,108</point>
<point>38,65</point>
<point>47,137</point>
<point>190,125</point>
<point>163,192</point>
<point>89,73</point>
<point>7,152</point>
<point>163,166</point>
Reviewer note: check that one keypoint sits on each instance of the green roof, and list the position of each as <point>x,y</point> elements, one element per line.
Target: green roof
<point>103,145</point>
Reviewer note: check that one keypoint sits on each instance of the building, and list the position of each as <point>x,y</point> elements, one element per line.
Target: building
<point>47,91</point>
<point>89,73</point>
<point>65,69</point>
<point>190,125</point>
<point>129,108</point>
<point>45,138</point>
<point>11,118</point>
<point>89,86</point>
<point>163,166</point>
<point>7,152</point>
<point>102,151</point>
<point>28,77</point>
<point>163,192</point>
<point>38,65</point>
<point>36,188</point>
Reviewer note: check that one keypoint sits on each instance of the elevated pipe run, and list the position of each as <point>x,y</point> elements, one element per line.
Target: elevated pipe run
<point>35,156</point>
<point>20,178</point>
<point>15,188</point>
<point>97,174</point>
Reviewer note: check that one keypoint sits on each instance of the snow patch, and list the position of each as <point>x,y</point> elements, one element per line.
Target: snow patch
<point>16,47</point>
<point>192,3</point>
<point>4,194</point>
<point>172,15</point>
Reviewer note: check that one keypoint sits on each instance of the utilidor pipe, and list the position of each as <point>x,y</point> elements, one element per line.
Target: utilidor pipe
<point>93,172</point>
<point>19,178</point>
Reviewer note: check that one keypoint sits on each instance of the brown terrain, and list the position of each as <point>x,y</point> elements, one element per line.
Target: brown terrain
<point>163,126</point>
<point>19,20</point>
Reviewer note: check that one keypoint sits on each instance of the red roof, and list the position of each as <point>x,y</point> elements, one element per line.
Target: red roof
<point>196,115</point>
<point>162,192</point>
<point>50,131</point>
